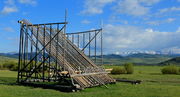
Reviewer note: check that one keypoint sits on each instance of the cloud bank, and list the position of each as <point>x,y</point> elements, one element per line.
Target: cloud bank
<point>124,38</point>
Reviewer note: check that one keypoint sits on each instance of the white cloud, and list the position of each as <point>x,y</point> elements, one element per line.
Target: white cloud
<point>85,22</point>
<point>9,2</point>
<point>131,7</point>
<point>134,7</point>
<point>13,40</point>
<point>158,22</point>
<point>178,30</point>
<point>171,50</point>
<point>169,20</point>
<point>149,2</point>
<point>165,10</point>
<point>9,9</point>
<point>155,23</point>
<point>8,29</point>
<point>95,6</point>
<point>117,19</point>
<point>118,38</point>
<point>28,2</point>
<point>10,6</point>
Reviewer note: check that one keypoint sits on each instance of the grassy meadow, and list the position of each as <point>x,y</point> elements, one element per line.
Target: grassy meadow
<point>154,85</point>
<point>4,59</point>
<point>120,61</point>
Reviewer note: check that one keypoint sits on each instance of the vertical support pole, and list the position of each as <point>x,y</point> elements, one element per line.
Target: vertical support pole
<point>57,52</point>
<point>20,47</point>
<point>64,40</point>
<point>26,53</point>
<point>50,53</point>
<point>89,45</point>
<point>73,38</point>
<point>32,50</point>
<point>64,47</point>
<point>83,40</point>
<point>22,50</point>
<point>58,40</point>
<point>31,55</point>
<point>44,54</point>
<point>67,36</point>
<point>78,41</point>
<point>25,44</point>
<point>36,59</point>
<point>95,47</point>
<point>101,48</point>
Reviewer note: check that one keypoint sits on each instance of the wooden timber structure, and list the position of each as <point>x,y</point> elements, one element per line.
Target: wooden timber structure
<point>48,54</point>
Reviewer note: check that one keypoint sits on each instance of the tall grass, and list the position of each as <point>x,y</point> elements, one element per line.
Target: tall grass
<point>127,69</point>
<point>118,70</point>
<point>170,69</point>
<point>9,65</point>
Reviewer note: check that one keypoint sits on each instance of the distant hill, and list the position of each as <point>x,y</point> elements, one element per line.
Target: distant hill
<point>139,59</point>
<point>143,55</point>
<point>139,55</point>
<point>112,56</point>
<point>175,61</point>
<point>10,55</point>
<point>15,55</point>
<point>109,56</point>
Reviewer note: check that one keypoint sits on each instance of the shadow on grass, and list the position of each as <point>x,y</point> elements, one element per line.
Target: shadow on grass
<point>8,81</point>
<point>155,73</point>
<point>12,81</point>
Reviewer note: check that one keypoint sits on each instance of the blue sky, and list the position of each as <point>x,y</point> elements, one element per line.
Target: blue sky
<point>128,25</point>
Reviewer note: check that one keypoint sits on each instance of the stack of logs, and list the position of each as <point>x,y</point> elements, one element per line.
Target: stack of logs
<point>75,63</point>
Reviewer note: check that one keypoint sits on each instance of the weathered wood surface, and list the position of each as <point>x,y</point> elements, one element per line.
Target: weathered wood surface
<point>80,68</point>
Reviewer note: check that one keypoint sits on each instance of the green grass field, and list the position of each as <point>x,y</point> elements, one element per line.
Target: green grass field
<point>6,59</point>
<point>120,61</point>
<point>154,85</point>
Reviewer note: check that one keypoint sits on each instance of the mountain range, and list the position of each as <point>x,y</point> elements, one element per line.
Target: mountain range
<point>139,58</point>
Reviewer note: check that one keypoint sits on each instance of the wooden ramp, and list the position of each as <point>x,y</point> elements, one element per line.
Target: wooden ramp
<point>52,45</point>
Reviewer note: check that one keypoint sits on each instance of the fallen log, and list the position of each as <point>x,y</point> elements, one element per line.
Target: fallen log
<point>129,81</point>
